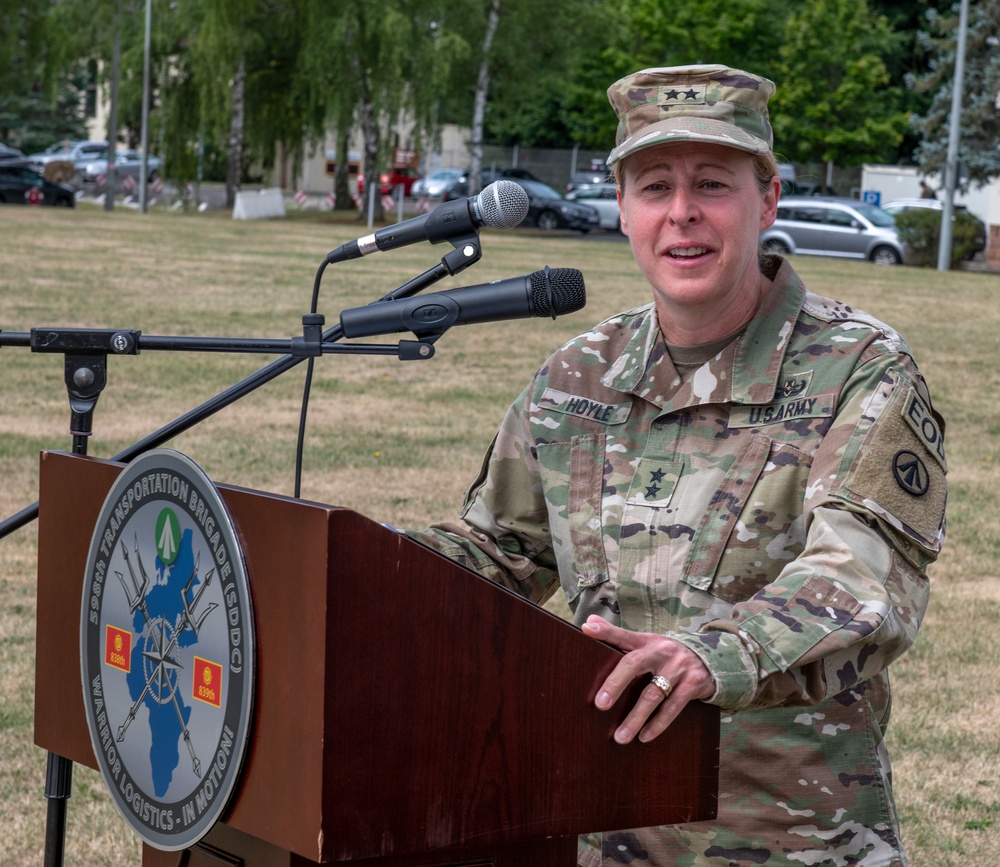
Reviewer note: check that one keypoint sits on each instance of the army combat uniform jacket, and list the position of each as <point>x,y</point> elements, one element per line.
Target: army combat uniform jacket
<point>775,511</point>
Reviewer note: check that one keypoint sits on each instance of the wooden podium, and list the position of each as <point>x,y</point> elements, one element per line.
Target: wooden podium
<point>407,711</point>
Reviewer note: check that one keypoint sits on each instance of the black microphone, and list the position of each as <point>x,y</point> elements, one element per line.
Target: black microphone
<point>502,205</point>
<point>549,292</point>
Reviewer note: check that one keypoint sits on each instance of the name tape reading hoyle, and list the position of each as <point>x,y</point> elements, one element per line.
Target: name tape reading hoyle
<point>167,650</point>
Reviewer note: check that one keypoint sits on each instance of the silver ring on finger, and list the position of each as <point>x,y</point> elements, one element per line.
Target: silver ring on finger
<point>662,684</point>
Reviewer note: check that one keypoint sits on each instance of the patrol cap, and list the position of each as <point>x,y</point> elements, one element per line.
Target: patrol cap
<point>705,103</point>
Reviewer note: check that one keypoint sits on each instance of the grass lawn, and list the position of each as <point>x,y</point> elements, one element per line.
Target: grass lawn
<point>401,441</point>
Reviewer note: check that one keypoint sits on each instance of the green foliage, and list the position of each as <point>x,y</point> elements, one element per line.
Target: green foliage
<point>979,142</point>
<point>381,66</point>
<point>535,91</point>
<point>920,230</point>
<point>33,119</point>
<point>834,100</point>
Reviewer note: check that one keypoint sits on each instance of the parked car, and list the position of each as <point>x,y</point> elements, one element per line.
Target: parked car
<point>388,181</point>
<point>548,210</point>
<point>441,184</point>
<point>899,205</point>
<point>515,174</point>
<point>819,226</point>
<point>79,153</point>
<point>787,176</point>
<point>810,188</point>
<point>20,182</point>
<point>9,153</point>
<point>579,180</point>
<point>127,163</point>
<point>604,199</point>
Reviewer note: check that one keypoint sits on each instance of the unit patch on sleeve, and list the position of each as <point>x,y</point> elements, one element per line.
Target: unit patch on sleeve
<point>900,469</point>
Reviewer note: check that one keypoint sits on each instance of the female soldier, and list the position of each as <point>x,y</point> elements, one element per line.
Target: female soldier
<point>749,511</point>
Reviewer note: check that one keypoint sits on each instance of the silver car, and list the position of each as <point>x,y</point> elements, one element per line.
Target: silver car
<point>444,184</point>
<point>604,199</point>
<point>77,152</point>
<point>128,163</point>
<point>820,226</point>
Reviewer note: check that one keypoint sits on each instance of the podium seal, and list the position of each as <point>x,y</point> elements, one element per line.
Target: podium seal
<point>167,649</point>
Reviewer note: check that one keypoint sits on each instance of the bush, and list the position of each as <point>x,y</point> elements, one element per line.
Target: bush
<point>60,171</point>
<point>920,231</point>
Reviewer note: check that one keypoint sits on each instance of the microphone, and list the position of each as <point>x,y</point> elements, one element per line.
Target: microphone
<point>549,292</point>
<point>502,205</point>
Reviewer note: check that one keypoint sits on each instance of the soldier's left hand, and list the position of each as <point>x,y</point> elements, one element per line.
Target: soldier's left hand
<point>663,658</point>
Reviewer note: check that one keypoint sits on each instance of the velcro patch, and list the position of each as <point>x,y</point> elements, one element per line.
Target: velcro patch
<point>689,94</point>
<point>918,416</point>
<point>781,411</point>
<point>570,404</point>
<point>901,468</point>
<point>654,482</point>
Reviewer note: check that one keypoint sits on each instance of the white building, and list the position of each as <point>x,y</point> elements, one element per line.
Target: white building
<point>907,182</point>
<point>316,174</point>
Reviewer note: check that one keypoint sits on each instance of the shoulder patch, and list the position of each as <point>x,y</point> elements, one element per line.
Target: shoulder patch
<point>919,417</point>
<point>900,470</point>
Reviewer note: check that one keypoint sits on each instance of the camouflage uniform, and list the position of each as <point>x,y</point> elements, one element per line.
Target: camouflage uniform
<point>775,511</point>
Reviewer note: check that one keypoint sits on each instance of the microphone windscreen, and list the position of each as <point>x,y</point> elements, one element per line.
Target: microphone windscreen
<point>557,291</point>
<point>503,205</point>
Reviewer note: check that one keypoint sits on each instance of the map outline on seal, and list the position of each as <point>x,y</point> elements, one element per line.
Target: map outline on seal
<point>165,564</point>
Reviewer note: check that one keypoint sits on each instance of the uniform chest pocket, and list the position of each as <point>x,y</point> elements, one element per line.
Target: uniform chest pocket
<point>573,481</point>
<point>753,525</point>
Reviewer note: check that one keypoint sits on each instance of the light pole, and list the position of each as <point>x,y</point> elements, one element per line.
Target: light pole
<point>954,133</point>
<point>144,165</point>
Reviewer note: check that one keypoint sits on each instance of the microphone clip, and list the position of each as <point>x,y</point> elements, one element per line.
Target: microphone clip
<point>310,344</point>
<point>417,350</point>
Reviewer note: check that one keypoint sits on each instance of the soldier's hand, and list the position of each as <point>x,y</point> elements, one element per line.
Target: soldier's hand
<point>681,675</point>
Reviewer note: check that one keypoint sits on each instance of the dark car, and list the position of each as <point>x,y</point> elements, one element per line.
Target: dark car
<point>9,153</point>
<point>810,188</point>
<point>460,187</point>
<point>583,180</point>
<point>20,184</point>
<point>515,174</point>
<point>548,210</point>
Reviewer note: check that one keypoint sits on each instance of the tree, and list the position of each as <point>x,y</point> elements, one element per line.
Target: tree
<point>906,57</point>
<point>377,64</point>
<point>510,80</point>
<point>635,34</point>
<point>481,95</point>
<point>227,38</point>
<point>22,32</point>
<point>979,141</point>
<point>835,102</point>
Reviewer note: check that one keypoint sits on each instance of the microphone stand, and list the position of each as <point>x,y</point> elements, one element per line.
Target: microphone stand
<point>86,352</point>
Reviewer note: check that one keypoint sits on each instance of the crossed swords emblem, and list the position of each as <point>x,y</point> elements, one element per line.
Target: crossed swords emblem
<point>164,637</point>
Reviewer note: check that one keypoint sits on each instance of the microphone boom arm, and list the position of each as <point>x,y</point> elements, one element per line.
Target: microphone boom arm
<point>86,351</point>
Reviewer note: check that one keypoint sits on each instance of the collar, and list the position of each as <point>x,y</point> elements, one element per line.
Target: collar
<point>745,372</point>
